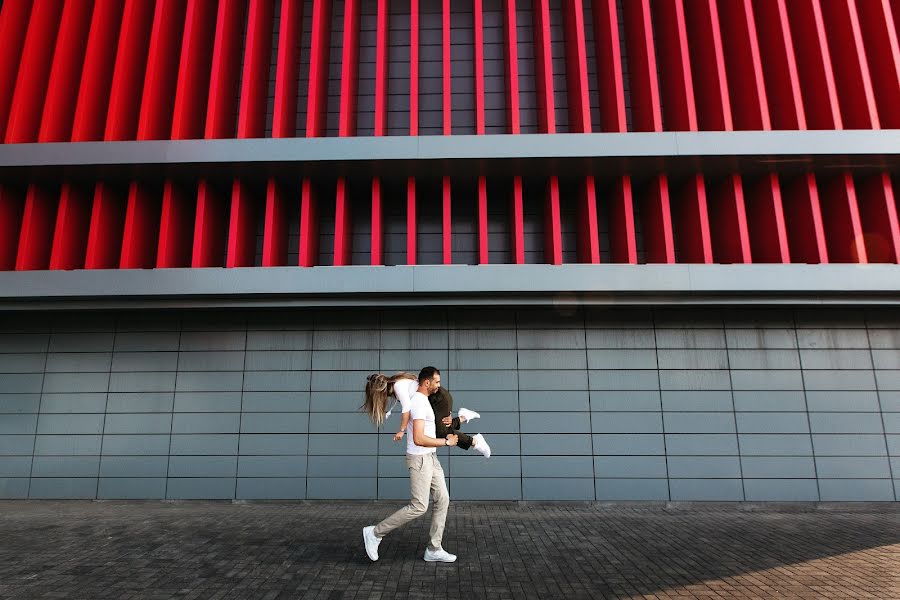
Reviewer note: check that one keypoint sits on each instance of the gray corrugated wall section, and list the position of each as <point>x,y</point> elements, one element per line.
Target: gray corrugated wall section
<point>639,404</point>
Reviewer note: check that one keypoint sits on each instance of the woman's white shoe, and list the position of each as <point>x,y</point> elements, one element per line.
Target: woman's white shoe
<point>481,445</point>
<point>468,414</point>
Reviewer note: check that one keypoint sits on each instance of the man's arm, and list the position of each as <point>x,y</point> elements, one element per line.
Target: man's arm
<point>420,439</point>
<point>404,421</point>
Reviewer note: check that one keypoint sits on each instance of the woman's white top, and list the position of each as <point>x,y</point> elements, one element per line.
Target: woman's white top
<point>403,390</point>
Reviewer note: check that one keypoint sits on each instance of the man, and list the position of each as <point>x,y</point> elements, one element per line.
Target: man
<point>425,474</point>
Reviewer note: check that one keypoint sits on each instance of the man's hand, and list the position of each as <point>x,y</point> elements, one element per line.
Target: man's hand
<point>398,436</point>
<point>452,439</point>
<point>447,420</point>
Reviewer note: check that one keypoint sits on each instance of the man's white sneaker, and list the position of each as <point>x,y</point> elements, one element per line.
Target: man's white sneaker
<point>468,414</point>
<point>439,555</point>
<point>371,541</point>
<point>481,445</point>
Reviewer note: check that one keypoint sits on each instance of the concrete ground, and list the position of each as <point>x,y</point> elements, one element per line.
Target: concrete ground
<point>89,549</point>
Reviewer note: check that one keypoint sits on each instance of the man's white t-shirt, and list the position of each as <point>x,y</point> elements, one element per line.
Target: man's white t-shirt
<point>420,409</point>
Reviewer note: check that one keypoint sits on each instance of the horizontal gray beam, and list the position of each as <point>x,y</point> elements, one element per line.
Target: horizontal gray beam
<point>453,285</point>
<point>746,151</point>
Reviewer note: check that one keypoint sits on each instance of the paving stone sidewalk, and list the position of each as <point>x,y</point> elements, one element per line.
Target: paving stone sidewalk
<point>94,550</point>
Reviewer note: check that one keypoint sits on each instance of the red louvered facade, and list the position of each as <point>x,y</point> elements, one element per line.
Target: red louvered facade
<point>134,70</point>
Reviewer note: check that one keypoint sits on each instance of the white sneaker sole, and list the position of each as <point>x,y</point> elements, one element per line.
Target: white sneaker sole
<point>440,560</point>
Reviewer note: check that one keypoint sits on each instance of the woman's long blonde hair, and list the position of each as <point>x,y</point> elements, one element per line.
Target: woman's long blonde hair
<point>378,388</point>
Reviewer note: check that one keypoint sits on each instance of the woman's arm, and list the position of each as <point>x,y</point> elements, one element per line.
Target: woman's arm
<point>404,421</point>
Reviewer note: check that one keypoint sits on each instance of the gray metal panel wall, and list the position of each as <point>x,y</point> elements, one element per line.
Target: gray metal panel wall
<point>594,404</point>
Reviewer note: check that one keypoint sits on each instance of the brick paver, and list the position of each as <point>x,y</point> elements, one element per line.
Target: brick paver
<point>84,549</point>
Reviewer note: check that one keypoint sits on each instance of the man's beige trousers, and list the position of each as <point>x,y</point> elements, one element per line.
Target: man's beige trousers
<point>425,474</point>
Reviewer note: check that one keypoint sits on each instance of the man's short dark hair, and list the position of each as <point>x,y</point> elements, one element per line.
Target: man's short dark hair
<point>428,373</point>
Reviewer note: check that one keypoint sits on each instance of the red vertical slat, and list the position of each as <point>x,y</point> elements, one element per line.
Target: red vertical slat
<point>840,217</point>
<point>878,214</point>
<point>241,245</point>
<point>677,86</point>
<point>543,67</point>
<point>377,227</point>
<point>447,221</point>
<point>413,67</point>
<point>255,78</point>
<point>381,66</point>
<point>446,76</point>
<point>33,73</point>
<point>275,227</point>
<point>104,244</point>
<point>155,120</point>
<point>713,103</point>
<point>11,205</point>
<point>479,66</point>
<point>851,70</point>
<point>483,254</point>
<point>588,231</point>
<point>38,220</point>
<point>518,222</point>
<point>552,223</point>
<point>68,59</point>
<point>208,248</point>
<point>728,222</point>
<point>410,220</point>
<point>70,232</point>
<point>316,110</point>
<point>883,54</point>
<point>226,57</point>
<point>309,224</point>
<point>743,63</point>
<point>128,76</point>
<point>814,65</point>
<point>96,76</point>
<point>692,221</point>
<point>343,222</point>
<point>511,55</point>
<point>176,227</point>
<point>656,218</point>
<point>642,68</point>
<point>284,118</point>
<point>284,124</point>
<point>241,251</point>
<point>765,221</point>
<point>622,238</point>
<point>194,70</point>
<point>14,15</point>
<point>806,236</point>
<point>381,113</point>
<point>576,68</point>
<point>141,234</point>
<point>413,127</point>
<point>776,49</point>
<point>609,67</point>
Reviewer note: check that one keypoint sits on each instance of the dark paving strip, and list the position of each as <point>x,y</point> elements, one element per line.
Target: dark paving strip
<point>95,550</point>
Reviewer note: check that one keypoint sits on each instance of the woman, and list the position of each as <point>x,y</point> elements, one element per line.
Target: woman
<point>401,386</point>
